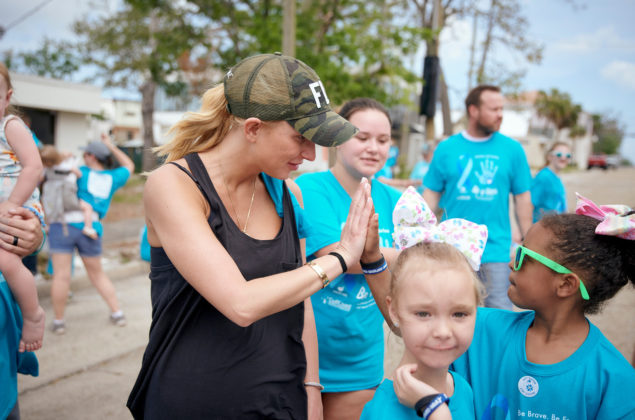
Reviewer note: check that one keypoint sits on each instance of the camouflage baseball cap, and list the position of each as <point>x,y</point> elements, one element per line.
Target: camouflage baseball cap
<point>276,87</point>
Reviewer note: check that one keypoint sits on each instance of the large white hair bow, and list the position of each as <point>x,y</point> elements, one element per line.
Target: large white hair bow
<point>414,222</point>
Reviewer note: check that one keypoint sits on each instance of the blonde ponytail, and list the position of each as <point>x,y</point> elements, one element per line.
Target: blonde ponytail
<point>202,130</point>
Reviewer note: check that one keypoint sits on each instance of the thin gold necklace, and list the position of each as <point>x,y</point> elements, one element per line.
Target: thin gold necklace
<point>253,194</point>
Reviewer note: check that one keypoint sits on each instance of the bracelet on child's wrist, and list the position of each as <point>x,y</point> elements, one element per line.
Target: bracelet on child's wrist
<point>426,405</point>
<point>375,267</point>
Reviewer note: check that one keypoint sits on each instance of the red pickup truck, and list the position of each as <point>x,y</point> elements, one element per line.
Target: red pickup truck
<point>603,161</point>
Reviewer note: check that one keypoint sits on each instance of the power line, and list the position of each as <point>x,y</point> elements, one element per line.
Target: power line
<point>3,30</point>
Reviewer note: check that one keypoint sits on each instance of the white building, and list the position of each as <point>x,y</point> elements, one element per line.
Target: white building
<point>60,111</point>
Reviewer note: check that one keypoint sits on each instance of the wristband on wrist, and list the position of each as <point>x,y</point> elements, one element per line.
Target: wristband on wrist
<point>341,260</point>
<point>426,405</point>
<point>374,267</point>
<point>315,384</point>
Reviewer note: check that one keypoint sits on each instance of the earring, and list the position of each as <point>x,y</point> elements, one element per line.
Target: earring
<point>396,324</point>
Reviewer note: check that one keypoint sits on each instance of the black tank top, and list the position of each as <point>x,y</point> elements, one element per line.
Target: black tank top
<point>200,365</point>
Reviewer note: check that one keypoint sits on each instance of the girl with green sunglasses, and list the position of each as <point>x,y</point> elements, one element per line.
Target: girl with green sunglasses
<point>550,360</point>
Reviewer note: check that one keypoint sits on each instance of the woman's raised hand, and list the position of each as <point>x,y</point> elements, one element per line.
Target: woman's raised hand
<point>354,232</point>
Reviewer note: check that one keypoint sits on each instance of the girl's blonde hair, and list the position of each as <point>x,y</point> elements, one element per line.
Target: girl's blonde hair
<point>432,256</point>
<point>4,72</point>
<point>202,130</point>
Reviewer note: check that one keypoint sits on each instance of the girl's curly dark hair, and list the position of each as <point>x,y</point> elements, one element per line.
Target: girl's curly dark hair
<point>604,263</point>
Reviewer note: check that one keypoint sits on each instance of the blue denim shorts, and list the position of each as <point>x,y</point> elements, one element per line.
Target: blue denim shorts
<point>63,239</point>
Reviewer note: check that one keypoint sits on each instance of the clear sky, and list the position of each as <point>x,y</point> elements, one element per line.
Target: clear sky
<point>589,50</point>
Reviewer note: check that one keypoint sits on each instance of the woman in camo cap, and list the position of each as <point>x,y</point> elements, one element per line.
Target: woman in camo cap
<point>232,332</point>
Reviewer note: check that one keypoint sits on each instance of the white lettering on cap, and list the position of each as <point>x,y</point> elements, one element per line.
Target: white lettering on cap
<point>317,95</point>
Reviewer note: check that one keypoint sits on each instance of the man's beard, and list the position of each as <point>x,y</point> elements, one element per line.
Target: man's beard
<point>487,130</point>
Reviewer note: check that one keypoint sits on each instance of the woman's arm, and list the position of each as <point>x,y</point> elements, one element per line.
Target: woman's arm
<point>390,254</point>
<point>177,213</point>
<point>309,338</point>
<point>309,335</point>
<point>379,283</point>
<point>118,154</point>
<point>21,141</point>
<point>25,226</point>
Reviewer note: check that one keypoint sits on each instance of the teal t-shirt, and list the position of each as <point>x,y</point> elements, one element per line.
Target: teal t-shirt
<point>385,404</point>
<point>475,179</point>
<point>547,194</point>
<point>595,382</point>
<point>349,324</point>
<point>11,362</point>
<point>97,188</point>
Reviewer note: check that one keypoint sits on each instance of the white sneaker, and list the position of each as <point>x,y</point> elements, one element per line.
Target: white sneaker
<point>118,320</point>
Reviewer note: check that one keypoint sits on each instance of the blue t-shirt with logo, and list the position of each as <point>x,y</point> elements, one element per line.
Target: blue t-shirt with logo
<point>385,404</point>
<point>547,194</point>
<point>349,324</point>
<point>97,188</point>
<point>595,382</point>
<point>475,179</point>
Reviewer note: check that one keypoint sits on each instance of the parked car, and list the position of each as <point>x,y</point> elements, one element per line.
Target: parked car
<point>597,161</point>
<point>613,161</point>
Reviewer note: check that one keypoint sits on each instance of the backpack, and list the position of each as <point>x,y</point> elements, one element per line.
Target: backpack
<point>59,195</point>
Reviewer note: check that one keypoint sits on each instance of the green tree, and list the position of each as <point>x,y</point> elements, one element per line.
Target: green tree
<point>609,132</point>
<point>357,47</point>
<point>505,26</point>
<point>139,46</point>
<point>558,108</point>
<point>52,59</point>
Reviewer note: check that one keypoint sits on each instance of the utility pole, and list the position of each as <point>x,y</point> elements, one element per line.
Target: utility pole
<point>432,62</point>
<point>288,28</point>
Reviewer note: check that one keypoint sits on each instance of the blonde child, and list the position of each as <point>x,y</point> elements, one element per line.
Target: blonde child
<point>434,293</point>
<point>20,169</point>
<point>60,189</point>
<point>551,361</point>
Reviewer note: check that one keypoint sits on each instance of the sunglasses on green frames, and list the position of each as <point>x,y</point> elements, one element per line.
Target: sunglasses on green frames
<point>521,251</point>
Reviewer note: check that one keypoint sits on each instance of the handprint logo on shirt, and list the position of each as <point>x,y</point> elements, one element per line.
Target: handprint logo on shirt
<point>487,173</point>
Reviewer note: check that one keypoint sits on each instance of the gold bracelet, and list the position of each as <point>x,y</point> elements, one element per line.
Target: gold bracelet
<point>321,274</point>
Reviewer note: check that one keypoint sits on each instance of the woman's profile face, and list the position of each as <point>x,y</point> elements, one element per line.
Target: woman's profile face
<point>366,153</point>
<point>285,149</point>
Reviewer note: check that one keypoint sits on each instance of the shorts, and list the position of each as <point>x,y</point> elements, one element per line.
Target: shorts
<point>64,238</point>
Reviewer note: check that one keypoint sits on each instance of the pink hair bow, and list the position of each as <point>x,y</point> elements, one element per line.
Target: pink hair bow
<point>415,222</point>
<point>613,217</point>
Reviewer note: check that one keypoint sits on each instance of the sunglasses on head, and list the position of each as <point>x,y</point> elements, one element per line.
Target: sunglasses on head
<point>521,251</point>
<point>562,155</point>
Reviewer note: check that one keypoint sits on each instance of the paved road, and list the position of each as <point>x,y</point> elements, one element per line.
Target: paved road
<point>88,372</point>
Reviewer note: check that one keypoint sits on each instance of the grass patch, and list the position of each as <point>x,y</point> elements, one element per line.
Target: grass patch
<point>132,192</point>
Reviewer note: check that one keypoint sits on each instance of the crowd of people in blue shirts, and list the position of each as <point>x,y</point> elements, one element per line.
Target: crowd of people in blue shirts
<point>269,295</point>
